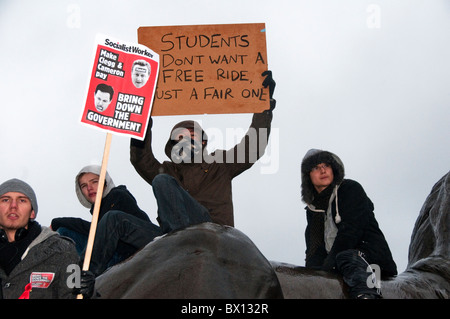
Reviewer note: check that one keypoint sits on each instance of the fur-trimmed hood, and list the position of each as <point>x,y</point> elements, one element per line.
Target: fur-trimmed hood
<point>312,158</point>
<point>95,169</point>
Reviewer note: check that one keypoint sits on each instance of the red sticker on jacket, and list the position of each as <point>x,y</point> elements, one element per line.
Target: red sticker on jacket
<point>41,279</point>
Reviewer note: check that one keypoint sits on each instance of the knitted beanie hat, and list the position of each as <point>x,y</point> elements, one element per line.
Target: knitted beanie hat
<point>16,185</point>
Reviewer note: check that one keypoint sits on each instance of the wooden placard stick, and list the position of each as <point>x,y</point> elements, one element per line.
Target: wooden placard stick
<point>98,200</point>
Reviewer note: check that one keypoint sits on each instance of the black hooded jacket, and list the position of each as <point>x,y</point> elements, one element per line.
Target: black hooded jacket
<point>118,198</point>
<point>352,213</point>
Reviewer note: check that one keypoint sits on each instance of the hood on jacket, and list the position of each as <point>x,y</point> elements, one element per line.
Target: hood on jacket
<point>43,235</point>
<point>95,169</point>
<point>174,135</point>
<point>312,158</point>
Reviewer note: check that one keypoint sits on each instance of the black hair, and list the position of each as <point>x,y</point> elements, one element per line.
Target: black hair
<point>105,88</point>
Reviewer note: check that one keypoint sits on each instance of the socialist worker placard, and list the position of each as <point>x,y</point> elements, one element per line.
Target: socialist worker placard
<point>121,88</point>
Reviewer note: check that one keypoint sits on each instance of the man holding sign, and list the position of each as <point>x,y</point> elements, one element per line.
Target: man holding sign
<point>119,100</point>
<point>195,186</point>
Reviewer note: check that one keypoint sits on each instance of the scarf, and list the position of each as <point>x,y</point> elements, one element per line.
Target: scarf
<point>11,253</point>
<point>317,223</point>
<point>322,199</point>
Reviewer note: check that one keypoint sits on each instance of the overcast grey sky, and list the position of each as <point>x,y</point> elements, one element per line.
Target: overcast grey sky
<point>367,80</point>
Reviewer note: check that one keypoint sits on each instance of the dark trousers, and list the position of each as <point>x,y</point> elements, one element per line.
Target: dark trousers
<point>357,274</point>
<point>123,250</point>
<point>176,207</point>
<point>114,227</point>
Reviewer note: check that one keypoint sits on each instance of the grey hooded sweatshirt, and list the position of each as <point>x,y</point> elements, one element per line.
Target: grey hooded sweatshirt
<point>113,198</point>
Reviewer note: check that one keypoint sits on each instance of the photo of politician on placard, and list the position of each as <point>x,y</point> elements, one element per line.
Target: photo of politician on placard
<point>103,97</point>
<point>140,73</point>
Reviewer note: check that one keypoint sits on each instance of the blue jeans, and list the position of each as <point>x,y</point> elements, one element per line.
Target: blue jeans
<point>177,209</point>
<point>79,239</point>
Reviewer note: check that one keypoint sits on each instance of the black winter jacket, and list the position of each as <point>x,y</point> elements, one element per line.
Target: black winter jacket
<point>44,265</point>
<point>119,198</point>
<point>358,229</point>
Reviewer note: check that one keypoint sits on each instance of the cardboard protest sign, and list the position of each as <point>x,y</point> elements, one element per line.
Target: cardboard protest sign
<point>212,69</point>
<point>122,86</point>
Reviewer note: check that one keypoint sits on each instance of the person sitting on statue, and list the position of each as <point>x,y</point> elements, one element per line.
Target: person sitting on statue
<point>342,233</point>
<point>34,259</point>
<point>195,187</point>
<point>123,228</point>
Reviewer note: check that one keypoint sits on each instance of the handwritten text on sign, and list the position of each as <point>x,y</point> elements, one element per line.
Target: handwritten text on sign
<point>212,69</point>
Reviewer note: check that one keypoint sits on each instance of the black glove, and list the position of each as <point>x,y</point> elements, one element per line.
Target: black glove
<point>87,284</point>
<point>269,82</point>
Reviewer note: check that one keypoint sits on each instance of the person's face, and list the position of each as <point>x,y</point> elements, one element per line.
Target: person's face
<point>102,100</point>
<point>15,212</point>
<point>88,184</point>
<point>140,76</point>
<point>188,133</point>
<point>321,176</point>
<point>189,145</point>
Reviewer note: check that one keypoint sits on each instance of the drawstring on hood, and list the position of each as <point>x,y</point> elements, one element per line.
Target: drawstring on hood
<point>94,169</point>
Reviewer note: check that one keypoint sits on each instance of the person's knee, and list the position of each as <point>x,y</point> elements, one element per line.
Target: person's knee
<point>162,180</point>
<point>112,217</point>
<point>161,183</point>
<point>346,258</point>
<point>349,260</point>
<point>347,254</point>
